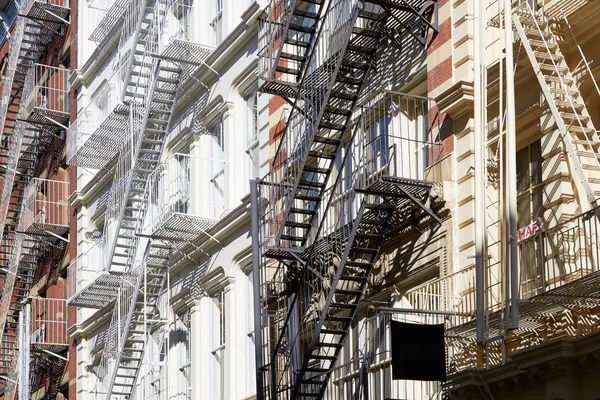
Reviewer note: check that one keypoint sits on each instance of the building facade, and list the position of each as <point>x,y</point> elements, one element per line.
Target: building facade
<point>37,49</point>
<point>233,199</point>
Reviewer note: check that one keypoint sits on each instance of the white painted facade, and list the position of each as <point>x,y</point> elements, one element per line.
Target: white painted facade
<point>202,347</point>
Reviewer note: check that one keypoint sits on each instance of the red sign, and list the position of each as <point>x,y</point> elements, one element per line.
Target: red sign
<point>528,231</point>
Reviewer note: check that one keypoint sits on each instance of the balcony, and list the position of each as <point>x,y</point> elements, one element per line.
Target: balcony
<point>48,102</point>
<point>176,187</point>
<point>95,138</point>
<point>110,22</point>
<point>89,285</point>
<point>49,324</point>
<point>46,207</point>
<point>54,15</point>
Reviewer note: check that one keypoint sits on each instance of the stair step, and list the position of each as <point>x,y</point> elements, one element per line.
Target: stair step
<point>353,278</point>
<point>349,292</point>
<point>332,125</point>
<point>307,198</point>
<point>321,154</point>
<point>567,105</point>
<point>563,92</point>
<point>316,170</point>
<point>286,70</point>
<point>326,140</point>
<point>293,57</point>
<point>544,55</point>
<point>550,68</point>
<point>574,117</point>
<point>305,14</point>
<point>543,45</point>
<point>302,28</point>
<point>310,184</point>
<point>292,238</point>
<point>338,94</point>
<point>320,344</point>
<point>164,79</point>
<point>301,225</point>
<point>338,111</point>
<point>320,357</point>
<point>366,32</point>
<point>348,80</point>
<point>317,370</point>
<point>295,42</point>
<point>342,305</point>
<point>556,79</point>
<point>579,129</point>
<point>361,235</point>
<point>304,211</point>
<point>363,250</point>
<point>333,332</point>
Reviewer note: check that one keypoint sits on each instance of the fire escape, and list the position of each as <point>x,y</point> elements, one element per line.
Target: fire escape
<point>322,227</point>
<point>558,264</point>
<point>130,143</point>
<point>33,114</point>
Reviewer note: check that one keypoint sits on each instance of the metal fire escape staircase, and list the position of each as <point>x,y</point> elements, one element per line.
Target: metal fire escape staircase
<point>562,95</point>
<point>21,145</point>
<point>297,22</point>
<point>348,40</point>
<point>336,246</point>
<point>138,303</point>
<point>151,92</point>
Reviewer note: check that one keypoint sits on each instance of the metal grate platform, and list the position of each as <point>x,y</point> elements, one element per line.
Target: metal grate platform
<point>189,56</point>
<point>52,15</point>
<point>110,22</point>
<point>105,142</point>
<point>183,226</point>
<point>99,293</point>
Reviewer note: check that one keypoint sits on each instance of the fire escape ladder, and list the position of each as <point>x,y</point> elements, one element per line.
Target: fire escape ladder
<point>151,96</point>
<point>150,146</point>
<point>562,96</point>
<point>315,127</point>
<point>143,311</point>
<point>297,22</point>
<point>365,235</point>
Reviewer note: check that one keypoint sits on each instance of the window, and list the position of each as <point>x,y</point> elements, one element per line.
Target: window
<point>217,22</point>
<point>216,170</point>
<point>251,124</point>
<point>181,340</point>
<point>219,341</point>
<point>529,184</point>
<point>529,208</point>
<point>178,20</point>
<point>378,136</point>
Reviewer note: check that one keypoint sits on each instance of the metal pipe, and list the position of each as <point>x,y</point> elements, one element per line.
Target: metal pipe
<point>480,146</point>
<point>258,346</point>
<point>27,350</point>
<point>418,311</point>
<point>511,167</point>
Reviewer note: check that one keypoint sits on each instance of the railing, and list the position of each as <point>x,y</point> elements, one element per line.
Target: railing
<point>46,205</point>
<point>48,321</point>
<point>50,91</point>
<point>370,347</point>
<point>303,122</point>
<point>98,133</point>
<point>186,185</point>
<point>400,131</point>
<point>372,153</point>
<point>84,270</point>
<point>559,255</point>
<point>58,3</point>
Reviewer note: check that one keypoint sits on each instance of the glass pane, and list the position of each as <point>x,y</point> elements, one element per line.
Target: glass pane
<point>523,210</point>
<point>522,170</point>
<point>536,163</point>
<point>538,203</point>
